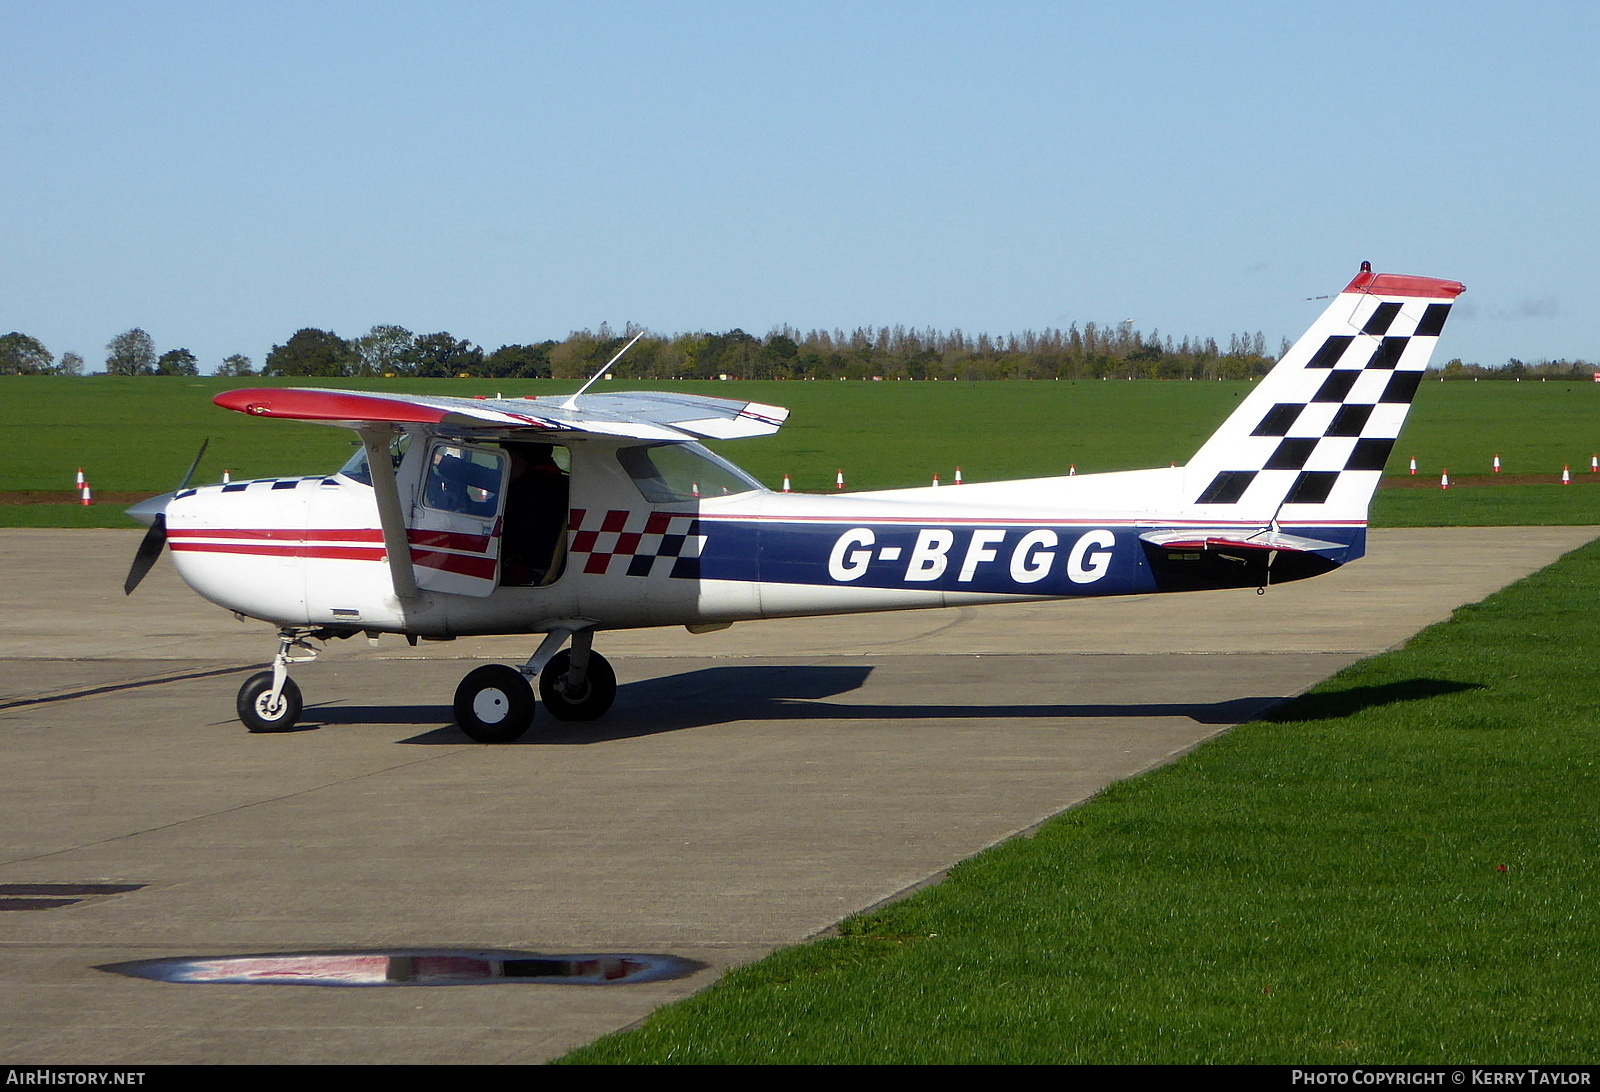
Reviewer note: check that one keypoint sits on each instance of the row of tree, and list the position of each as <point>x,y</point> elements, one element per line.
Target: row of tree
<point>1516,369</point>
<point>785,353</point>
<point>1090,352</point>
<point>132,352</point>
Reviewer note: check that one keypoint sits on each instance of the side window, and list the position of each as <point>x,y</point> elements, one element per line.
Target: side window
<point>668,473</point>
<point>464,480</point>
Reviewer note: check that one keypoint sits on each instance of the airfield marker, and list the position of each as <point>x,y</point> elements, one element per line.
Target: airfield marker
<point>1413,464</point>
<point>1594,464</point>
<point>786,483</point>
<point>80,478</point>
<point>958,475</point>
<point>225,477</point>
<point>1072,470</point>
<point>1566,474</point>
<point>84,492</point>
<point>1444,479</point>
<point>935,481</point>
<point>1497,464</point>
<point>838,481</point>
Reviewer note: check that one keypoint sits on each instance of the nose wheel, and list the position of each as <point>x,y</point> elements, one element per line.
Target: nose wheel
<point>262,711</point>
<point>269,701</point>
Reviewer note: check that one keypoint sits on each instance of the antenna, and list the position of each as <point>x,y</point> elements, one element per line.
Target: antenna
<point>572,403</point>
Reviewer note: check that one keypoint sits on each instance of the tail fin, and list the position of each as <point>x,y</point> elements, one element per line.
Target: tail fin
<point>1311,440</point>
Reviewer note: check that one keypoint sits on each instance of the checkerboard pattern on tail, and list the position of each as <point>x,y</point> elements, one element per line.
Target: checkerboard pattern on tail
<point>1312,439</point>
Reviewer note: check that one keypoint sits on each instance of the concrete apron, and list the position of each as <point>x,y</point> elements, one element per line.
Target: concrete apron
<point>750,788</point>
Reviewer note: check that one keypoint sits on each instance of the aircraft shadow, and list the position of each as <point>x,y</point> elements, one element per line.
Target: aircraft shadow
<point>797,693</point>
<point>1342,703</point>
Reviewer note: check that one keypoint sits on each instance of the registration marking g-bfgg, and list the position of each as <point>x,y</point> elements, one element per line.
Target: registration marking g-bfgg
<point>1029,560</point>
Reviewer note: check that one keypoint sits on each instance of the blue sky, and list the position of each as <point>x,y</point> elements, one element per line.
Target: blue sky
<point>223,174</point>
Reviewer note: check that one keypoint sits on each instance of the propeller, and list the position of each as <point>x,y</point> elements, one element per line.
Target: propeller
<point>154,512</point>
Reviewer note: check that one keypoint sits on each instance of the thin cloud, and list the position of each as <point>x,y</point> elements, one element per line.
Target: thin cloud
<point>1545,307</point>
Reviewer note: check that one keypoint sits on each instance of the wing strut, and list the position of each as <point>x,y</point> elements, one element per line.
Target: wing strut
<point>395,543</point>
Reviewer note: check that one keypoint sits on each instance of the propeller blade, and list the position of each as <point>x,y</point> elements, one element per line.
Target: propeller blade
<point>155,538</point>
<point>149,550</point>
<point>194,465</point>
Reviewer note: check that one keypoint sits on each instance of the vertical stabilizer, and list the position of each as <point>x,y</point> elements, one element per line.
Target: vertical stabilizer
<point>1310,442</point>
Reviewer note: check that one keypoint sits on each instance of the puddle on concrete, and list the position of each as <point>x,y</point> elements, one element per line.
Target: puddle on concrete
<point>421,967</point>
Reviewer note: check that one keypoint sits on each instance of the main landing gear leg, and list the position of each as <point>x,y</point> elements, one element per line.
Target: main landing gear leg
<point>578,684</point>
<point>494,703</point>
<point>269,701</point>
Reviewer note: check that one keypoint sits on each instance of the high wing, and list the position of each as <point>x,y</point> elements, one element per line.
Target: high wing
<point>660,416</point>
<point>642,415</point>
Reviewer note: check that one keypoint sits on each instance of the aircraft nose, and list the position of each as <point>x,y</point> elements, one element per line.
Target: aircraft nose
<point>146,511</point>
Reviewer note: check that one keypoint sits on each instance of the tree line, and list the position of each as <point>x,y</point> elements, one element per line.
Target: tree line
<point>132,352</point>
<point>1516,369</point>
<point>1092,351</point>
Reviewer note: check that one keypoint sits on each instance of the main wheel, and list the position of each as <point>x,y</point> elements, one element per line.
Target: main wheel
<point>257,710</point>
<point>588,701</point>
<point>494,704</point>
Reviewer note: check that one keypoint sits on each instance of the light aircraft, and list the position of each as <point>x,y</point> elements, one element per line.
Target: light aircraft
<point>570,515</point>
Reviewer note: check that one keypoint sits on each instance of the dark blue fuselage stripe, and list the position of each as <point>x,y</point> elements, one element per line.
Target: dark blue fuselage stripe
<point>1048,559</point>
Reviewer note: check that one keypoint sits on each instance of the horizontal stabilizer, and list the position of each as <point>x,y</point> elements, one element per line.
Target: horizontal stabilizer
<point>1267,539</point>
<point>1199,558</point>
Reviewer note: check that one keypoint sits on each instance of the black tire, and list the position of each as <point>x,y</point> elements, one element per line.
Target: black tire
<point>494,704</point>
<point>591,701</point>
<point>257,715</point>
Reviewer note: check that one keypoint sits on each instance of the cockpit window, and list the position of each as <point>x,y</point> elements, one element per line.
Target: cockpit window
<point>668,473</point>
<point>356,468</point>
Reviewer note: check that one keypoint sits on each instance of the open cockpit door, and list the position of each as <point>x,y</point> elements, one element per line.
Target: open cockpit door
<point>457,517</point>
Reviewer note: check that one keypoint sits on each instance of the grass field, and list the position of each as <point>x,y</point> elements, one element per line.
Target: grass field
<point>141,434</point>
<point>1398,867</point>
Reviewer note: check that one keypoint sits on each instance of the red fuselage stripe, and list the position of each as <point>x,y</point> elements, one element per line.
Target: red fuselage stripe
<point>292,534</point>
<point>439,540</point>
<point>482,567</point>
<point>343,553</point>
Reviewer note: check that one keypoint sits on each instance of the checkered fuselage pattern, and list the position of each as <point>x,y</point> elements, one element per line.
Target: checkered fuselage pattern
<point>635,543</point>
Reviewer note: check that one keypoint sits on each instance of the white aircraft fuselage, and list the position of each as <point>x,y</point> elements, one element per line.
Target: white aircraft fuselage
<point>568,517</point>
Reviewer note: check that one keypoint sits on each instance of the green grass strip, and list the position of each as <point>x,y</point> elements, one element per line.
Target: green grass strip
<point>1400,866</point>
<point>140,434</point>
<point>66,515</point>
<point>1487,506</point>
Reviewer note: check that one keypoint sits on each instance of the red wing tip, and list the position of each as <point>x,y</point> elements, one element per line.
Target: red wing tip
<point>1399,284</point>
<point>301,404</point>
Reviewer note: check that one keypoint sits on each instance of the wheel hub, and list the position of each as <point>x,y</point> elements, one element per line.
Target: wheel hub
<point>491,706</point>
